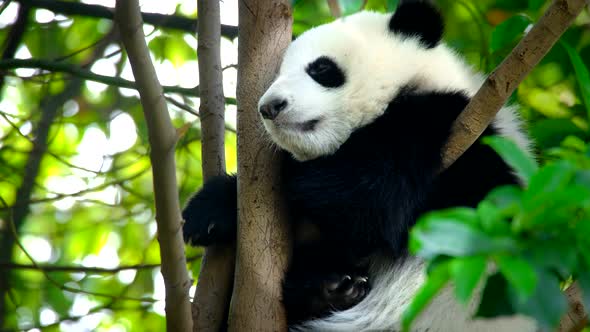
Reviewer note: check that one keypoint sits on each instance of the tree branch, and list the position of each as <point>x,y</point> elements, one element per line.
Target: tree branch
<point>162,137</point>
<point>213,291</point>
<point>176,22</point>
<point>263,246</point>
<point>15,36</point>
<point>63,67</point>
<point>85,269</point>
<point>493,94</point>
<point>502,82</point>
<point>334,8</point>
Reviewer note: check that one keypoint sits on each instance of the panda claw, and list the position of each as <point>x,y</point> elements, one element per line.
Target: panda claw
<point>345,291</point>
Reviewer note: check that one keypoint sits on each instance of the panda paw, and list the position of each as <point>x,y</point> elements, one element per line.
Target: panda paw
<point>345,290</point>
<point>210,215</point>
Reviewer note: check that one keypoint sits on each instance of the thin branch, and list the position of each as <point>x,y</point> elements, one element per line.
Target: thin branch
<point>176,22</point>
<point>213,291</point>
<point>55,66</point>
<point>55,283</point>
<point>14,38</point>
<point>4,5</point>
<point>503,81</point>
<point>85,269</point>
<point>334,8</point>
<point>162,138</point>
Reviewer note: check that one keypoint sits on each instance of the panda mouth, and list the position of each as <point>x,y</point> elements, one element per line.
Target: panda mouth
<point>305,126</point>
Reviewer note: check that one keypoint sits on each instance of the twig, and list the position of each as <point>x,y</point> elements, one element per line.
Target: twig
<point>162,138</point>
<point>84,269</point>
<point>159,20</point>
<point>15,36</point>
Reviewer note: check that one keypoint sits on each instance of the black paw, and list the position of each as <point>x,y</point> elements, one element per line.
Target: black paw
<point>210,215</point>
<point>343,291</point>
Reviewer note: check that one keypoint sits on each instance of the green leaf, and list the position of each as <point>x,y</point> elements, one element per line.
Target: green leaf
<point>524,165</point>
<point>553,210</point>
<point>584,282</point>
<point>350,6</point>
<point>435,281</point>
<point>494,300</point>
<point>500,206</point>
<point>558,256</point>
<point>454,232</point>
<point>535,5</point>
<point>392,5</point>
<point>550,178</point>
<point>491,218</point>
<point>519,273</point>
<point>506,32</point>
<point>550,132</point>
<point>582,73</point>
<point>547,305</point>
<point>466,273</point>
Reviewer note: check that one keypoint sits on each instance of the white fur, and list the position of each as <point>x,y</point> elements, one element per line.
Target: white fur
<point>376,65</point>
<point>394,286</point>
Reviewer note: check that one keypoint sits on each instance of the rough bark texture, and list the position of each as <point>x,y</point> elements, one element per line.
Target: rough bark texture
<point>504,80</point>
<point>217,268</point>
<point>162,138</point>
<point>263,239</point>
<point>575,319</point>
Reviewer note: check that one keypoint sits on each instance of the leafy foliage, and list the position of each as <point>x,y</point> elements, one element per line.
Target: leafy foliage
<point>535,237</point>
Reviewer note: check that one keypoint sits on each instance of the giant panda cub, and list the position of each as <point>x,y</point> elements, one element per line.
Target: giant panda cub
<point>363,106</point>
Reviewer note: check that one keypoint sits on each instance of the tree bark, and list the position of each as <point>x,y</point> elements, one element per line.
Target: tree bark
<point>162,137</point>
<point>263,239</point>
<point>211,301</point>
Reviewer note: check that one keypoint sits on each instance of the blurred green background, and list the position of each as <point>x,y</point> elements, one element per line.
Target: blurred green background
<point>78,247</point>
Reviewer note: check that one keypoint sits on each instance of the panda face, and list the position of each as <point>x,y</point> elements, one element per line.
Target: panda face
<point>341,76</point>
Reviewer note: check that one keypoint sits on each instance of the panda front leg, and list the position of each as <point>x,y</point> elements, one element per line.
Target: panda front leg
<point>210,216</point>
<point>321,280</point>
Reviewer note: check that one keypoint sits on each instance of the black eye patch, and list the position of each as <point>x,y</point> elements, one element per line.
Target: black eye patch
<point>326,72</point>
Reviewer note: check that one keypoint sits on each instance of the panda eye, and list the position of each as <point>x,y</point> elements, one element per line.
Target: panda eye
<point>325,72</point>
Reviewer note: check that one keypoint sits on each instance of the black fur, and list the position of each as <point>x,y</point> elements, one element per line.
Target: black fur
<point>363,198</point>
<point>210,215</point>
<point>418,18</point>
<point>326,72</point>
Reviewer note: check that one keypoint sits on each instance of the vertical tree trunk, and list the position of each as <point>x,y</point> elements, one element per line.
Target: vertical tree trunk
<point>217,267</point>
<point>263,239</point>
<point>162,137</point>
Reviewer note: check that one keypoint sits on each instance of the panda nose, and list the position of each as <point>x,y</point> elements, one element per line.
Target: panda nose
<point>271,109</point>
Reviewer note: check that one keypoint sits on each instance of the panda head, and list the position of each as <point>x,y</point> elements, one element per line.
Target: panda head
<point>341,76</point>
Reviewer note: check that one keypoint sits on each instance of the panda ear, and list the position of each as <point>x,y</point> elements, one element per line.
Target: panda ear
<point>418,18</point>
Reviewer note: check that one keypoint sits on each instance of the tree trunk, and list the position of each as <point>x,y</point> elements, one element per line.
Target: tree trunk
<point>162,137</point>
<point>263,240</point>
<point>213,291</point>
